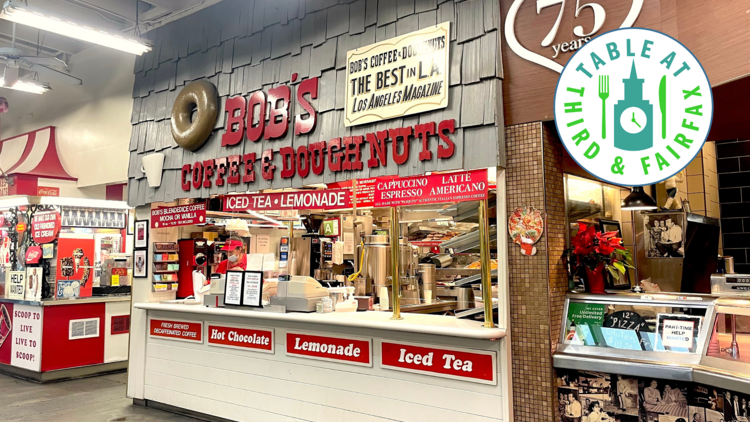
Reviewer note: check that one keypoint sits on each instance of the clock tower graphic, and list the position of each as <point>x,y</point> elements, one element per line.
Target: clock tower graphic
<point>633,117</point>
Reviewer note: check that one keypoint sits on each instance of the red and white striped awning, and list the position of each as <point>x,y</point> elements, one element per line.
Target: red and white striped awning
<point>33,153</point>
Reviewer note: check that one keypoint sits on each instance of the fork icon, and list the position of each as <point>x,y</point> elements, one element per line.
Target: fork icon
<point>604,94</point>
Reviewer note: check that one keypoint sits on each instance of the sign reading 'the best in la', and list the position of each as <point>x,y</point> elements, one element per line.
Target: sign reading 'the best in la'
<point>399,76</point>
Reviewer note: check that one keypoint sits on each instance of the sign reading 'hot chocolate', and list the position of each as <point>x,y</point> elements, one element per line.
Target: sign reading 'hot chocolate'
<point>468,365</point>
<point>241,338</point>
<point>338,349</point>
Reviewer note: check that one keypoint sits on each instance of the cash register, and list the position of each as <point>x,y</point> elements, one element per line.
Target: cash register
<point>299,294</point>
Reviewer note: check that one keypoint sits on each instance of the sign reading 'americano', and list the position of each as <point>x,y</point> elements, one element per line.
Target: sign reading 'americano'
<point>399,76</point>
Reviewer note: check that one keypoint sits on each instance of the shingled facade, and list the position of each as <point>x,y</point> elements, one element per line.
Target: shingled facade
<point>242,46</point>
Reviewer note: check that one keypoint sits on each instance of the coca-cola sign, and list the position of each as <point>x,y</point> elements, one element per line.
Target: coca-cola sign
<point>47,191</point>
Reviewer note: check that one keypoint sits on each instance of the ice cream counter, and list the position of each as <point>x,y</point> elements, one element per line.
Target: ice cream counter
<point>655,356</point>
<point>231,363</point>
<point>67,338</point>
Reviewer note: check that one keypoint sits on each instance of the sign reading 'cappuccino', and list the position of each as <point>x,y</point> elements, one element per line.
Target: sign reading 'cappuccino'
<point>336,349</point>
<point>240,337</point>
<point>398,76</point>
<point>463,364</point>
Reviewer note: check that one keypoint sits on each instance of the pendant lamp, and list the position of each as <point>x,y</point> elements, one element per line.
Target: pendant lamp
<point>638,200</point>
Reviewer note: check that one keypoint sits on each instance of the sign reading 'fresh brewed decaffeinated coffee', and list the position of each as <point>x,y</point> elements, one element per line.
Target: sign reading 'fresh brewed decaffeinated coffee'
<point>398,76</point>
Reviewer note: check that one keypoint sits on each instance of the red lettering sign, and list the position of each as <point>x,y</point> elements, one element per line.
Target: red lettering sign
<point>120,271</point>
<point>337,349</point>
<point>467,365</point>
<point>45,226</point>
<point>181,215</point>
<point>47,191</point>
<point>191,331</point>
<point>315,199</point>
<point>240,337</point>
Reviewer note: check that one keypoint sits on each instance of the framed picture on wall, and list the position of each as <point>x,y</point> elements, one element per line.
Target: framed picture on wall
<point>140,263</point>
<point>610,226</point>
<point>663,235</point>
<point>141,234</point>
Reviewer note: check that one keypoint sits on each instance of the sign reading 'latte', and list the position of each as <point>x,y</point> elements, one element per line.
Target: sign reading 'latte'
<point>633,107</point>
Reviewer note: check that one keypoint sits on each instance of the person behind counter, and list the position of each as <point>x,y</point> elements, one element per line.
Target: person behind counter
<point>236,260</point>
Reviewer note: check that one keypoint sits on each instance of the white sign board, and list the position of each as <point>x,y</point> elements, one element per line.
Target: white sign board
<point>17,284</point>
<point>679,333</point>
<point>263,243</point>
<point>26,351</point>
<point>398,77</point>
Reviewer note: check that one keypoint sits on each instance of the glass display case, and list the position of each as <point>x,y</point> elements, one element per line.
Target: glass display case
<point>608,332</point>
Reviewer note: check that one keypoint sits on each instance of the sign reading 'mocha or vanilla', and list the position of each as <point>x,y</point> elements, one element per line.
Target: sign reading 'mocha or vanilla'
<point>399,76</point>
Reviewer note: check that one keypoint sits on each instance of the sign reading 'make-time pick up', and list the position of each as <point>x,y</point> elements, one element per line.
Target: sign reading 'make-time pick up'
<point>462,364</point>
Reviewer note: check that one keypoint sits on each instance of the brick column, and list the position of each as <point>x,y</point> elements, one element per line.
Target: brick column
<point>538,283</point>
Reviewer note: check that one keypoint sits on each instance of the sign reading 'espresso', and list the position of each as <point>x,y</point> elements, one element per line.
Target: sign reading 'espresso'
<point>468,365</point>
<point>337,349</point>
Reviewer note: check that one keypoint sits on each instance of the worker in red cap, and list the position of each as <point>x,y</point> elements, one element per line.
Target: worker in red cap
<point>237,260</point>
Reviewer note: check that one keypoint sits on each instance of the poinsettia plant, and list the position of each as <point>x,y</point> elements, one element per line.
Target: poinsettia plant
<point>592,249</point>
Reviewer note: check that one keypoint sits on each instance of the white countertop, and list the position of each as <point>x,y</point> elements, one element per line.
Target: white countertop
<point>415,323</point>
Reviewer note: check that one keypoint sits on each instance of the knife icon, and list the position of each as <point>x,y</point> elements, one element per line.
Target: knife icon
<point>663,105</point>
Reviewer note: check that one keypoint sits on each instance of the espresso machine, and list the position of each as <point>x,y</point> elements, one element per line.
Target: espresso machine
<point>307,251</point>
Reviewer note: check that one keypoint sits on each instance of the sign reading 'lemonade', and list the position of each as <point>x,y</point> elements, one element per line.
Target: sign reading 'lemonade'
<point>633,107</point>
<point>399,76</point>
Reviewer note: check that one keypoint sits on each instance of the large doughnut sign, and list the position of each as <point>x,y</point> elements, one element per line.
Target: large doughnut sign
<point>188,132</point>
<point>633,106</point>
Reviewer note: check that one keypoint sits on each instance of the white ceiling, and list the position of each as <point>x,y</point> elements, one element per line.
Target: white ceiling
<point>118,15</point>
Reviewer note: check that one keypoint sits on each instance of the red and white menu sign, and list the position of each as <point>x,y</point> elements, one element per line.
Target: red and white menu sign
<point>351,351</point>
<point>435,188</point>
<point>245,338</point>
<point>327,199</point>
<point>462,364</point>
<point>45,226</point>
<point>181,215</point>
<point>191,331</point>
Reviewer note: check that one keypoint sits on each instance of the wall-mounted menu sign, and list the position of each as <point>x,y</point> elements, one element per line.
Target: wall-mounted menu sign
<point>398,76</point>
<point>313,199</point>
<point>462,364</point>
<point>190,331</point>
<point>181,215</point>
<point>435,188</point>
<point>236,337</point>
<point>352,351</point>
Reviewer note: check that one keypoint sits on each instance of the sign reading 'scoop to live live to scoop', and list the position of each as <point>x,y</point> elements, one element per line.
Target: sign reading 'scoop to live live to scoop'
<point>633,106</point>
<point>399,76</point>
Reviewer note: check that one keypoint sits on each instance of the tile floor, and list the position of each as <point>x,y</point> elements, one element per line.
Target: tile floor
<point>95,399</point>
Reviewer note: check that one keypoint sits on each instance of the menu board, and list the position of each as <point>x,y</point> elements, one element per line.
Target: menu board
<point>252,291</point>
<point>233,288</point>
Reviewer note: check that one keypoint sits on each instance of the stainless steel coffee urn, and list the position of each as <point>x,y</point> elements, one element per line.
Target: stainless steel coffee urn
<point>377,269</point>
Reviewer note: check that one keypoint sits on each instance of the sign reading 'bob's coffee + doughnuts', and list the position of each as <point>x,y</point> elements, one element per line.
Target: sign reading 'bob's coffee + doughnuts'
<point>337,349</point>
<point>463,364</point>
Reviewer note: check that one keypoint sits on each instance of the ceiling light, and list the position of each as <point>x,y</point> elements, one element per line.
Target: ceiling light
<point>40,19</point>
<point>27,86</point>
<point>638,200</point>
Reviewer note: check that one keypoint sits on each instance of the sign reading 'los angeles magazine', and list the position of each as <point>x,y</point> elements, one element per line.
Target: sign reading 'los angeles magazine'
<point>399,76</point>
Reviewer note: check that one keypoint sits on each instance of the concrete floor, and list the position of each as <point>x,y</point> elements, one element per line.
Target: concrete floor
<point>95,399</point>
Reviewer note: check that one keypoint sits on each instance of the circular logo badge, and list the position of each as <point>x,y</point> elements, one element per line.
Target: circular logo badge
<point>633,107</point>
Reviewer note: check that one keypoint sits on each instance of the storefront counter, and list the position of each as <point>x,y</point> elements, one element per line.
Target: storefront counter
<point>679,346</point>
<point>57,339</point>
<point>232,363</point>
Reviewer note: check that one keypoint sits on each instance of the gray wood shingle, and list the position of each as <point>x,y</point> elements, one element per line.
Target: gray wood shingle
<point>337,20</point>
<point>387,12</point>
<point>357,12</point>
<point>470,20</point>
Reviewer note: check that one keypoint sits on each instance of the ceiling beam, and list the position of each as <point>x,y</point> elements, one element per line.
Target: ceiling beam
<point>52,41</point>
<point>173,5</point>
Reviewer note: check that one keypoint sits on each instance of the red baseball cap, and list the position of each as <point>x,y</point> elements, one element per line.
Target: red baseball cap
<point>231,245</point>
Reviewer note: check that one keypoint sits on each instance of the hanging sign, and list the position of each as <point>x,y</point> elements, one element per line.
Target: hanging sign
<point>462,364</point>
<point>20,227</point>
<point>435,188</point>
<point>45,226</point>
<point>398,76</point>
<point>181,215</point>
<point>338,349</point>
<point>190,331</point>
<point>314,199</point>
